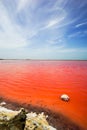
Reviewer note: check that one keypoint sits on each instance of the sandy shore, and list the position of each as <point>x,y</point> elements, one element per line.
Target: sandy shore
<point>57,120</point>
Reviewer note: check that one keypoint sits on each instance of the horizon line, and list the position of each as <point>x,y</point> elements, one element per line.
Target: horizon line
<point>48,59</point>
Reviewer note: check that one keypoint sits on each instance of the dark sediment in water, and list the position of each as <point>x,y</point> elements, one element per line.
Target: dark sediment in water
<point>55,119</point>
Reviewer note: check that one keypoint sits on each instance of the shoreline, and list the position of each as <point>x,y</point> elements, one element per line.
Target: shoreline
<point>55,119</point>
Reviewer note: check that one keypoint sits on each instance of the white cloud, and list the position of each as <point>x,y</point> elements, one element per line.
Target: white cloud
<point>60,3</point>
<point>57,18</point>
<point>16,36</point>
<point>81,24</point>
<point>22,4</point>
<point>10,36</point>
<point>53,22</point>
<point>43,27</point>
<point>78,34</point>
<point>59,42</point>
<point>74,34</point>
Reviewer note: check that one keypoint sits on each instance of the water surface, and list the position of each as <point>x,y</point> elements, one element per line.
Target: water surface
<point>42,82</point>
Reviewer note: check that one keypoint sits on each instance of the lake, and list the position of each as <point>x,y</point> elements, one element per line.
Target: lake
<point>41,83</point>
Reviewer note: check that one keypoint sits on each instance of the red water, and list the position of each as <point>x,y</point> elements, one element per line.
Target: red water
<point>42,82</point>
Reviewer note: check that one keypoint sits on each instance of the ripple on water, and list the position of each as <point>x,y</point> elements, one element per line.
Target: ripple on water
<point>42,83</point>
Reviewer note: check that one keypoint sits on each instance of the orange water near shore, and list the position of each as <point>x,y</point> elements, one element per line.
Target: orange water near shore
<point>42,82</point>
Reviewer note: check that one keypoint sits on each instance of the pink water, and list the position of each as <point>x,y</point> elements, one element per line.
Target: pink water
<point>42,82</point>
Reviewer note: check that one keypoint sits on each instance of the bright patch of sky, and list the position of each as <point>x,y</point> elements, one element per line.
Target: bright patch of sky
<point>43,29</point>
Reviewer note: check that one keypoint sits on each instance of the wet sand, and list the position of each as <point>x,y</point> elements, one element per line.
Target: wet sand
<point>57,120</point>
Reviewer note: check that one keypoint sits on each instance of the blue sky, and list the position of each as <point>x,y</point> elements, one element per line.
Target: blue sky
<point>43,29</point>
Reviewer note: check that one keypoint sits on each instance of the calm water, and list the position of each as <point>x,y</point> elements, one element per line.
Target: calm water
<point>42,82</point>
